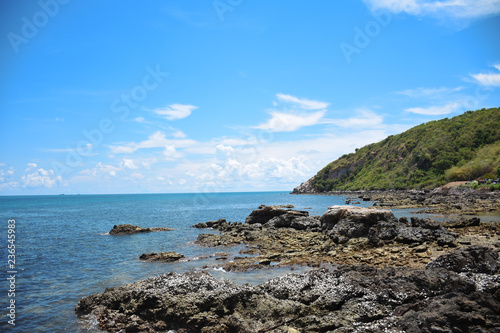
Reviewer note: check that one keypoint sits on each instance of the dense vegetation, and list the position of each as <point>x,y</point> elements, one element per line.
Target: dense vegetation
<point>461,148</point>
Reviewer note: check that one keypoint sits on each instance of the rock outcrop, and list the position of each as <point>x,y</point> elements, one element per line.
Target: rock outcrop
<point>128,229</point>
<point>342,223</point>
<point>346,299</point>
<point>169,256</point>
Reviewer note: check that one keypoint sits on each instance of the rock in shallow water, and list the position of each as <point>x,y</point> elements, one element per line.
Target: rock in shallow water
<point>128,229</point>
<point>162,256</point>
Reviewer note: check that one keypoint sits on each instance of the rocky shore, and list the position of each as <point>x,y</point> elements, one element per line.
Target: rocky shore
<point>458,292</point>
<point>374,273</point>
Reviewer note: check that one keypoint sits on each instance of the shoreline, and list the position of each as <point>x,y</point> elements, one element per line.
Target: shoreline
<point>443,200</point>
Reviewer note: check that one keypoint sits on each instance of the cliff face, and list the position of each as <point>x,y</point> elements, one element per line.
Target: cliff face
<point>428,155</point>
<point>305,187</point>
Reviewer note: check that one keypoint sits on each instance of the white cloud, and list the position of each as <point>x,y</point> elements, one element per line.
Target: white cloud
<point>155,140</point>
<point>436,110</point>
<point>364,119</point>
<point>175,111</point>
<point>302,103</point>
<point>171,153</point>
<point>101,170</point>
<point>178,134</point>
<point>223,152</point>
<point>429,92</point>
<point>139,120</point>
<point>288,122</point>
<point>461,9</point>
<point>4,175</point>
<point>137,175</point>
<point>490,79</point>
<point>40,177</point>
<point>31,166</point>
<point>128,163</point>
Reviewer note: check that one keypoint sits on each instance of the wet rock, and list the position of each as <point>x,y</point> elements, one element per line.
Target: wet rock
<point>201,225</point>
<point>474,259</point>
<point>162,256</point>
<point>128,229</point>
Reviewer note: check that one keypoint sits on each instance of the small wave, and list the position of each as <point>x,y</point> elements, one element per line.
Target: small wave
<point>220,269</point>
<point>104,234</point>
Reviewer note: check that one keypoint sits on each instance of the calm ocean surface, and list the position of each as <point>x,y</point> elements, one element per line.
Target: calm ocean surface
<point>63,251</point>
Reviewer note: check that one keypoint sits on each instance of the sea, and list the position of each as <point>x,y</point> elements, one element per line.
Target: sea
<point>62,250</point>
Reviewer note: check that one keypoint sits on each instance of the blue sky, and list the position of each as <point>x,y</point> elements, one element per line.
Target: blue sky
<point>226,95</point>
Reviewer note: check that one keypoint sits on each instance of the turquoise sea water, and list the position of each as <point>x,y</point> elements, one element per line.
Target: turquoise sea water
<point>63,251</point>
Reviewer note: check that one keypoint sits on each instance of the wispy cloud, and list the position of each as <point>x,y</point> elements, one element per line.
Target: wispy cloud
<point>429,92</point>
<point>288,122</point>
<point>297,117</point>
<point>364,119</point>
<point>155,140</point>
<point>139,120</point>
<point>302,103</point>
<point>461,9</point>
<point>488,79</point>
<point>435,110</point>
<point>175,111</point>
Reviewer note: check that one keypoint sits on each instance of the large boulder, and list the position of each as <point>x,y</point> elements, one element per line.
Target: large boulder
<point>353,221</point>
<point>263,214</point>
<point>128,229</point>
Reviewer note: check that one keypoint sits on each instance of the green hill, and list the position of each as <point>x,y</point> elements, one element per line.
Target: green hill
<point>461,148</point>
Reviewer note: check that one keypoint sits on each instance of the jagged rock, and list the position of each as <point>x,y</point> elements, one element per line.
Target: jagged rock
<point>263,214</point>
<point>162,256</point>
<point>474,259</point>
<point>305,187</point>
<point>128,229</point>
